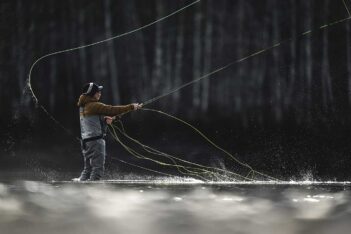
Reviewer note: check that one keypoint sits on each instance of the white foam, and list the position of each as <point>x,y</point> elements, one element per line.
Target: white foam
<point>195,181</point>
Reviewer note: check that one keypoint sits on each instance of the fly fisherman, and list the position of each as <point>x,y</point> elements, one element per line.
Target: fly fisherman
<point>94,117</point>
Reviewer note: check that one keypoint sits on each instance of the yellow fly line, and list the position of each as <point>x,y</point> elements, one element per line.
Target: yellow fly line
<point>148,149</point>
<point>203,174</point>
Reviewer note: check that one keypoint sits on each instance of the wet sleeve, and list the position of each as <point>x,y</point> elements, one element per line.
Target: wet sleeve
<point>98,108</point>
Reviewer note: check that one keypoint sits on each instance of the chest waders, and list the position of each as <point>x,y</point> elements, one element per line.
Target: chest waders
<point>93,132</point>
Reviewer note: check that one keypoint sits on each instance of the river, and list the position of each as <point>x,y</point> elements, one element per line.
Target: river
<point>174,206</point>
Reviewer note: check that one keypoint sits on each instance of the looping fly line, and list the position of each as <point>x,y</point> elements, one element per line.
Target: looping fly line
<point>186,168</point>
<point>195,169</point>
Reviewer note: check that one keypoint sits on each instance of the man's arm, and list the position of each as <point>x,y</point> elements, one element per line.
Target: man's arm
<point>98,108</point>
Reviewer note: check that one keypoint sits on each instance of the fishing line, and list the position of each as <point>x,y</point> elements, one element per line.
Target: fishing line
<point>231,156</point>
<point>347,9</point>
<point>190,170</point>
<point>202,168</point>
<point>141,167</point>
<point>154,151</point>
<point>148,148</point>
<point>186,169</point>
<point>276,45</point>
<point>140,156</point>
<point>201,134</point>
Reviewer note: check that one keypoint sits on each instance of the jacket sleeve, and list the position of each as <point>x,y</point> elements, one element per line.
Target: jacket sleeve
<point>98,108</point>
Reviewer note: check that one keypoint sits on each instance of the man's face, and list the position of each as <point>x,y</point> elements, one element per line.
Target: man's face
<point>97,95</point>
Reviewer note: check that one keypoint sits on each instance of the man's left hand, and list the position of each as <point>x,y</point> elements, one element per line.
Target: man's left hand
<point>108,119</point>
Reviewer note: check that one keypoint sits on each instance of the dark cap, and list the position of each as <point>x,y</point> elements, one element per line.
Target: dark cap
<point>91,88</point>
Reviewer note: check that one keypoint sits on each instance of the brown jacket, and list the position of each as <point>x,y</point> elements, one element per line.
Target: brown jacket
<point>94,107</point>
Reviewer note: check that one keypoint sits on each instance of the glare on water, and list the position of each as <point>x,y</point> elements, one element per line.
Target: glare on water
<point>174,207</point>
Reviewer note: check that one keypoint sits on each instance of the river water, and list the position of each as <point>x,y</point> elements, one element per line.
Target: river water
<point>174,207</point>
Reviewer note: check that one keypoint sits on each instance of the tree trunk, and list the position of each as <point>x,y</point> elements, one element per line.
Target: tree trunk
<point>197,55</point>
<point>261,64</point>
<point>143,70</point>
<point>26,98</point>
<point>238,84</point>
<point>221,86</point>
<point>178,59</point>
<point>157,69</point>
<point>168,69</point>
<point>68,41</point>
<point>348,46</point>
<point>115,91</point>
<point>309,61</point>
<point>20,46</point>
<point>82,53</point>
<point>53,61</point>
<point>275,73</point>
<point>292,72</point>
<point>326,79</point>
<point>207,58</point>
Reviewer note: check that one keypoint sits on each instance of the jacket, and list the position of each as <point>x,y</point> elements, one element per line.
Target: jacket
<point>92,113</point>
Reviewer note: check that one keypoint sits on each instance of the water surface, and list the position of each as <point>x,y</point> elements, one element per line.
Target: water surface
<point>173,206</point>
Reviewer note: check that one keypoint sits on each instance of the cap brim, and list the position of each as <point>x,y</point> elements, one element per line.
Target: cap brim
<point>101,87</point>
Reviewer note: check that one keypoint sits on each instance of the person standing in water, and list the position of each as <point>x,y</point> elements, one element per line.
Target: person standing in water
<point>94,117</point>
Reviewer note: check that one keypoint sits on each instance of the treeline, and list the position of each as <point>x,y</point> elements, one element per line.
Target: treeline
<point>306,80</point>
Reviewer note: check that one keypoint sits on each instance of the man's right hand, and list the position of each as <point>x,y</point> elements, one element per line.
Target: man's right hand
<point>137,106</point>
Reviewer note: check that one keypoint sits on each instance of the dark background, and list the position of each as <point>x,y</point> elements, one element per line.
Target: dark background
<point>286,111</point>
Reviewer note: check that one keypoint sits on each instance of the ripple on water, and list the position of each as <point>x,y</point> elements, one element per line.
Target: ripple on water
<point>172,208</point>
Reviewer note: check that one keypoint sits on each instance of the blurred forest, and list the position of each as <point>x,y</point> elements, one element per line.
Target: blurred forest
<point>304,80</point>
<point>304,83</point>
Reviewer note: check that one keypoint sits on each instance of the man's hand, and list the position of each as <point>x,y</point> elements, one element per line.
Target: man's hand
<point>108,119</point>
<point>137,106</point>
